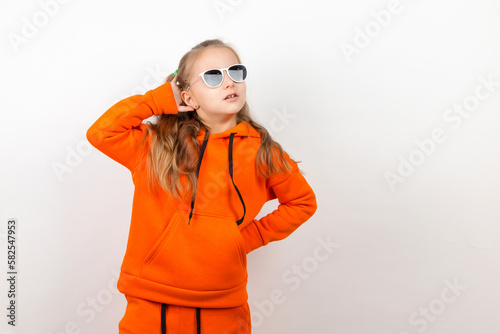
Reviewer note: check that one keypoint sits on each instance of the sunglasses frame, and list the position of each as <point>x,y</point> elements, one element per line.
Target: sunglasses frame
<point>222,71</point>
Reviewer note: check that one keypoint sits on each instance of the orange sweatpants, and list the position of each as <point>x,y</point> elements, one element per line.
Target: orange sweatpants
<point>147,317</point>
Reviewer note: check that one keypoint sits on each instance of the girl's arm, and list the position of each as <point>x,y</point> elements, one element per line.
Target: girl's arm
<point>297,204</point>
<point>119,131</point>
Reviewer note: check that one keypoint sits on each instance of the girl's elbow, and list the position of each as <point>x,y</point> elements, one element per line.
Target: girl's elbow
<point>312,205</point>
<point>95,137</point>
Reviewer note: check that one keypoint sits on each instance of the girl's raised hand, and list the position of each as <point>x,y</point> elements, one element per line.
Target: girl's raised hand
<point>177,94</point>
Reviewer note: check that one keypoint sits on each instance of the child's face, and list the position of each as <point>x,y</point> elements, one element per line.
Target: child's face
<point>213,109</point>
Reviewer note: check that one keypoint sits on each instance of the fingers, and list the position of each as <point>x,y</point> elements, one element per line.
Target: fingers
<point>185,108</point>
<point>180,108</point>
<point>174,80</point>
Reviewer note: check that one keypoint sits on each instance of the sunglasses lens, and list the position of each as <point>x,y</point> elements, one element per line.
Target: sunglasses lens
<point>238,73</point>
<point>213,78</point>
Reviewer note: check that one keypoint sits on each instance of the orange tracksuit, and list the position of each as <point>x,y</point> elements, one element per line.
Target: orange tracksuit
<point>185,262</point>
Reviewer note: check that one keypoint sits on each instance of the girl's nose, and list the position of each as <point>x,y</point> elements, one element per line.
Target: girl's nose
<point>227,80</point>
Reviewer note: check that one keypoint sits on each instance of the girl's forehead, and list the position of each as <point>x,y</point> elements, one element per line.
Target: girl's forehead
<point>214,58</point>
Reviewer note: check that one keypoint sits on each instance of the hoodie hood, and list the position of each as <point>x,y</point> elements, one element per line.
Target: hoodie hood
<point>242,129</point>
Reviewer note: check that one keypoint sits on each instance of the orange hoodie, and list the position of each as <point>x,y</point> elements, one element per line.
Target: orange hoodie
<point>193,253</point>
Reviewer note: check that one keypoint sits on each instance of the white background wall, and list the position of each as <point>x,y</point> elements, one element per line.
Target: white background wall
<point>418,254</point>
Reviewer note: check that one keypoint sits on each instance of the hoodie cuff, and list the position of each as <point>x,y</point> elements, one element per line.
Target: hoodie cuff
<point>164,100</point>
<point>251,236</point>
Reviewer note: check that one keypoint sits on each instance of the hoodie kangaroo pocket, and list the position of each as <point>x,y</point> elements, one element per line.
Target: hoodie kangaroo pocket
<point>208,254</point>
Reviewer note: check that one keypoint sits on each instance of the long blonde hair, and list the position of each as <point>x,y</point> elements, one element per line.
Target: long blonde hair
<point>174,148</point>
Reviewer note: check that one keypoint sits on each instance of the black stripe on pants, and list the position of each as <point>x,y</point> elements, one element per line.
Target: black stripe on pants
<point>198,324</point>
<point>164,319</point>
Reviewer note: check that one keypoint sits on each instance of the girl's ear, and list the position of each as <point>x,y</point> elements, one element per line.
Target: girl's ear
<point>188,99</point>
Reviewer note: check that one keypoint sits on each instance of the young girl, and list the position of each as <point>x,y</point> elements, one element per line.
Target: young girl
<point>202,172</point>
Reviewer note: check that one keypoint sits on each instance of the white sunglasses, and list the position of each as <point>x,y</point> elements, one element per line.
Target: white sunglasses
<point>214,77</point>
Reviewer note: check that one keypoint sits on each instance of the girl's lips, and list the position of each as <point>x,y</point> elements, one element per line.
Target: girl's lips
<point>232,98</point>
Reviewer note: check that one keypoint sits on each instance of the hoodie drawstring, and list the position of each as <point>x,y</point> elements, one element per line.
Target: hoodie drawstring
<point>239,221</point>
<point>203,147</point>
<point>230,158</point>
<point>164,319</point>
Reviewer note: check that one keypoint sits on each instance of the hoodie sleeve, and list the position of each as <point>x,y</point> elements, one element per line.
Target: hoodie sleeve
<point>119,131</point>
<point>297,204</point>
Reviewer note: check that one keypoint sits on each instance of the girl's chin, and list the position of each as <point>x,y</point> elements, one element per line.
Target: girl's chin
<point>231,109</point>
<point>227,111</point>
